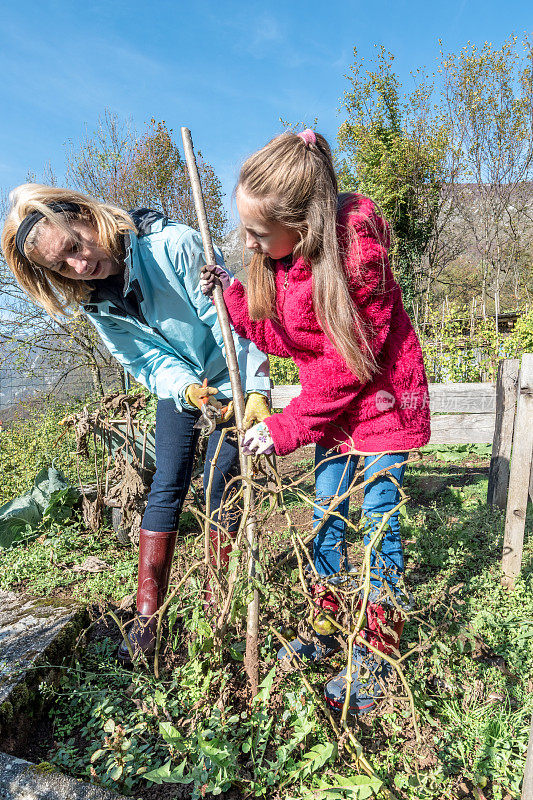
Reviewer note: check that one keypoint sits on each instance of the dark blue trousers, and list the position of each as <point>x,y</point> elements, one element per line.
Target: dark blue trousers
<point>175,445</point>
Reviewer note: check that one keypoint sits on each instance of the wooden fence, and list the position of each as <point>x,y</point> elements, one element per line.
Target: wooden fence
<point>461,413</point>
<point>500,414</point>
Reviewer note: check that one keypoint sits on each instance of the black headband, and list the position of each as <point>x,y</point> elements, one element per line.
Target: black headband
<point>31,219</point>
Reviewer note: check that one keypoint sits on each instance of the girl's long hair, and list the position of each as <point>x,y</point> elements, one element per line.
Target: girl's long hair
<point>55,293</point>
<point>295,184</point>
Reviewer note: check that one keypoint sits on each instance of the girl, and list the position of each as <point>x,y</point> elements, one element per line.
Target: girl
<point>135,276</point>
<point>321,291</point>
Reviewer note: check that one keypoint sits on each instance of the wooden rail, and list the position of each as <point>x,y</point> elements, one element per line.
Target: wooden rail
<point>461,413</point>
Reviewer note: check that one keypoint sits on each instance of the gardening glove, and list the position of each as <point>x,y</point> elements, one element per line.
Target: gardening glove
<point>198,396</point>
<point>212,275</point>
<point>228,413</point>
<point>256,409</point>
<point>257,441</point>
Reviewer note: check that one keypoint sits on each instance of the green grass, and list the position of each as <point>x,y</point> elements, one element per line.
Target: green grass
<point>28,445</point>
<point>44,566</point>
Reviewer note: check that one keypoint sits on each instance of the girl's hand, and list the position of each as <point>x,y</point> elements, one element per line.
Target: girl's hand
<point>212,275</point>
<point>257,441</point>
<point>256,409</point>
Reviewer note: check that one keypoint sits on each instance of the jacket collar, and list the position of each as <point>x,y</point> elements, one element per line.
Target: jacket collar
<point>298,267</point>
<point>146,221</point>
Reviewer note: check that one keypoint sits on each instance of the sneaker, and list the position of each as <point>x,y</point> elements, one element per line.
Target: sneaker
<point>369,675</point>
<point>313,650</point>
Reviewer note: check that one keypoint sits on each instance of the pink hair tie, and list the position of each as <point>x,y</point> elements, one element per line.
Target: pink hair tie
<point>308,136</point>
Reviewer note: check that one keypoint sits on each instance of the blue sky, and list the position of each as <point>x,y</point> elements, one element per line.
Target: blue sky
<point>227,70</point>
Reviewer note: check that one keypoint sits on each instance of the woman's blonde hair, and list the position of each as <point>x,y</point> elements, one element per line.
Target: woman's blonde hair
<point>295,184</point>
<point>55,293</point>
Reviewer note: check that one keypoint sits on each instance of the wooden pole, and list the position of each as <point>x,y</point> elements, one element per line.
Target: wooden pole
<point>506,391</point>
<point>515,519</point>
<point>251,661</point>
<point>531,480</point>
<point>527,785</point>
<point>222,312</point>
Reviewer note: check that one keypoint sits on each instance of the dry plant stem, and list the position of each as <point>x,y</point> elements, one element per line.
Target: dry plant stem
<point>355,749</point>
<point>123,633</point>
<point>336,501</point>
<point>280,502</point>
<point>222,620</point>
<point>309,559</point>
<point>395,663</point>
<point>417,649</point>
<point>161,612</point>
<point>301,570</point>
<point>365,575</point>
<point>349,679</point>
<point>207,526</point>
<point>366,591</point>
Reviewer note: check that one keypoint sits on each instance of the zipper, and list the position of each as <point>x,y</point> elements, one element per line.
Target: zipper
<point>286,281</point>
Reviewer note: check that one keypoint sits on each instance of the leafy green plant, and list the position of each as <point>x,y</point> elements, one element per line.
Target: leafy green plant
<point>469,640</point>
<point>28,445</point>
<point>114,742</point>
<point>452,353</point>
<point>283,371</point>
<point>453,453</point>
<point>520,340</point>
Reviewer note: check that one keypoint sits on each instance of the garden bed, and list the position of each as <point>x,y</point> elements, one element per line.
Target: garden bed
<point>471,641</point>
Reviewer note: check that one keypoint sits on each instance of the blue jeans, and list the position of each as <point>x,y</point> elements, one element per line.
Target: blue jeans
<point>175,445</point>
<point>333,475</point>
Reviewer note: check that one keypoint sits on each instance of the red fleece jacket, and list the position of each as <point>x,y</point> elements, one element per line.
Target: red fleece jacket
<point>388,413</point>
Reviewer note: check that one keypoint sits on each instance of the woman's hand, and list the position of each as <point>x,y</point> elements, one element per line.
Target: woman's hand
<point>257,441</point>
<point>198,396</point>
<point>212,275</point>
<point>256,409</point>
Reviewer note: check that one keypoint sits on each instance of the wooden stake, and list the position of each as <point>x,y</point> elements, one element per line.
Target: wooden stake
<point>531,480</point>
<point>515,519</point>
<point>252,627</point>
<point>527,785</point>
<point>506,391</point>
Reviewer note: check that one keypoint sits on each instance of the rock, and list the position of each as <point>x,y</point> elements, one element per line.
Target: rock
<point>21,780</point>
<point>33,631</point>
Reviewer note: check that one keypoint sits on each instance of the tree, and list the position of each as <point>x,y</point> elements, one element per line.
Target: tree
<point>392,149</point>
<point>130,170</point>
<point>450,163</point>
<point>488,101</point>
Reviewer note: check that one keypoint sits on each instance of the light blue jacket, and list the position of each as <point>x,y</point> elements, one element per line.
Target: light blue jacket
<point>181,342</point>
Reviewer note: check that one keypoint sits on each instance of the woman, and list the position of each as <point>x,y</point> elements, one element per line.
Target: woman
<point>135,276</point>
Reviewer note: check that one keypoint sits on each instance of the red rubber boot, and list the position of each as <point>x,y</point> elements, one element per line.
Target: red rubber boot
<point>384,627</point>
<point>156,549</point>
